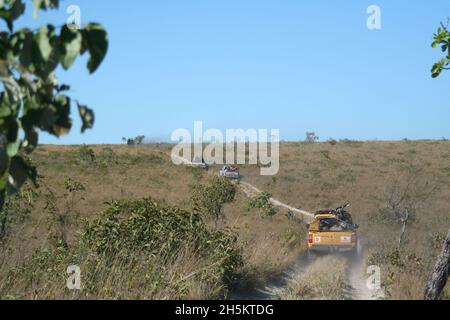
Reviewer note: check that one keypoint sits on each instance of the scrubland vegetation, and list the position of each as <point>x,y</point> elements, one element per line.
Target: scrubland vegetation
<point>140,227</point>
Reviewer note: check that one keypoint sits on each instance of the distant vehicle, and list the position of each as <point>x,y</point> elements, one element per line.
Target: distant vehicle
<point>199,163</point>
<point>230,172</point>
<point>333,231</point>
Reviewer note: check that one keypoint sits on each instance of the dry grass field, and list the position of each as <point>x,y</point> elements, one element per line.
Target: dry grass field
<point>311,177</point>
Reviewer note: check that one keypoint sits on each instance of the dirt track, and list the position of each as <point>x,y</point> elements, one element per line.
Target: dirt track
<point>249,190</point>
<point>357,287</point>
<point>356,277</point>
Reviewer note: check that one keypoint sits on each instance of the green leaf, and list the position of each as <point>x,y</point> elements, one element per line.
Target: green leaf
<point>45,4</point>
<point>63,122</point>
<point>12,148</point>
<point>4,49</point>
<point>31,140</point>
<point>96,40</point>
<point>43,40</point>
<point>437,68</point>
<point>16,9</point>
<point>16,42</point>
<point>19,171</point>
<point>5,108</point>
<point>43,118</point>
<point>63,87</point>
<point>87,116</point>
<point>26,49</point>
<point>31,100</point>
<point>2,192</point>
<point>71,42</point>
<point>3,184</point>
<point>12,137</point>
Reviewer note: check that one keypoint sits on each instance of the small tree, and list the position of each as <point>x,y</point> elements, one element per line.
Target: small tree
<point>86,155</point>
<point>311,137</point>
<point>134,141</point>
<point>404,197</point>
<point>62,218</point>
<point>139,139</point>
<point>263,202</point>
<point>209,199</point>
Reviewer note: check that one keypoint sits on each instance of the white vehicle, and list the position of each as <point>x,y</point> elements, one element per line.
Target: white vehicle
<point>199,163</point>
<point>230,172</point>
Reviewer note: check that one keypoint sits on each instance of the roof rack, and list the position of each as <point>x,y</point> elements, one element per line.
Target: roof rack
<point>325,212</point>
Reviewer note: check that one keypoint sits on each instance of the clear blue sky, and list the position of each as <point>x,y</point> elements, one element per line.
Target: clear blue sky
<point>292,65</point>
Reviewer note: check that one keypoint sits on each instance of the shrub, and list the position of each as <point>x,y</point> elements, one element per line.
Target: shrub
<point>401,266</point>
<point>152,159</point>
<point>108,157</point>
<point>197,172</point>
<point>352,143</point>
<point>209,199</point>
<point>326,154</point>
<point>138,249</point>
<point>156,229</point>
<point>62,217</point>
<point>262,202</point>
<point>86,155</point>
<point>17,210</point>
<point>332,141</point>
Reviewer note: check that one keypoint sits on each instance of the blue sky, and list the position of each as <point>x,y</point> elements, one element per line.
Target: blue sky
<point>291,65</point>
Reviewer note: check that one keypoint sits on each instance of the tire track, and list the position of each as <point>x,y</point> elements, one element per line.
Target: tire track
<point>358,289</point>
<point>250,190</point>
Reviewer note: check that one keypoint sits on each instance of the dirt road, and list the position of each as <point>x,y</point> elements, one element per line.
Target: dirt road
<point>356,284</point>
<point>357,277</point>
<point>251,190</point>
<point>356,273</point>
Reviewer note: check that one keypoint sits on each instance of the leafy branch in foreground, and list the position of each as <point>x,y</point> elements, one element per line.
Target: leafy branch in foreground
<point>31,99</point>
<point>441,39</point>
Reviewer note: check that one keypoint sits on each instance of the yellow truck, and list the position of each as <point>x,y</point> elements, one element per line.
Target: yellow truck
<point>332,231</point>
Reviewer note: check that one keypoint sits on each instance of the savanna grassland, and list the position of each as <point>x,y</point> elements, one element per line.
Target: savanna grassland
<point>140,227</point>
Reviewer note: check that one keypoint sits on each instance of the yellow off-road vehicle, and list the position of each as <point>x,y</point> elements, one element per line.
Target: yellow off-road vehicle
<point>332,231</point>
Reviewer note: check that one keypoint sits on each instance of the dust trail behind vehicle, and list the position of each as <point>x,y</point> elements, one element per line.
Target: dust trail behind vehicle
<point>274,288</point>
<point>250,190</point>
<point>358,279</point>
<point>355,283</point>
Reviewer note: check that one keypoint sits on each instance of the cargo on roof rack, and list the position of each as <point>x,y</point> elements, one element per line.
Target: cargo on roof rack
<point>324,212</point>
